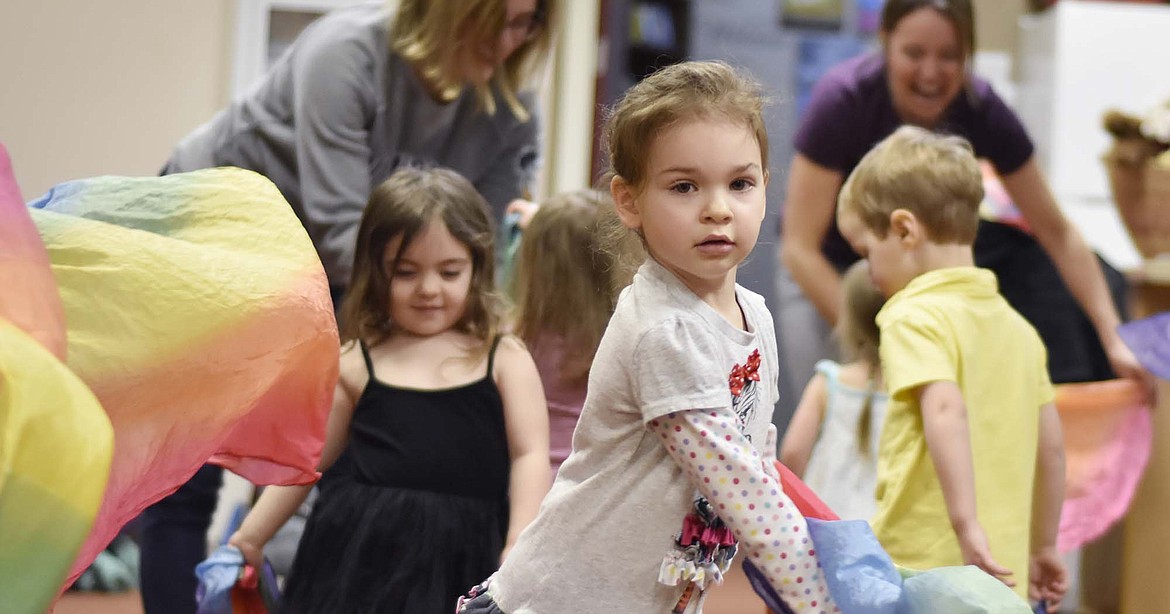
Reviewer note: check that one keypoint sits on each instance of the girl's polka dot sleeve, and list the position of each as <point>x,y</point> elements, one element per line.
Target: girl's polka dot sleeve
<point>724,466</point>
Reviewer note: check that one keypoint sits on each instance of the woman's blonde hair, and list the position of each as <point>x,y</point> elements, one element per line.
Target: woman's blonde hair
<point>430,33</point>
<point>403,206</point>
<point>572,266</point>
<point>859,337</point>
<point>677,93</point>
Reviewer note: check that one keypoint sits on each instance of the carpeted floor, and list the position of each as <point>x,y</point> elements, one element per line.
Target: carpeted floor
<point>99,603</point>
<point>734,597</point>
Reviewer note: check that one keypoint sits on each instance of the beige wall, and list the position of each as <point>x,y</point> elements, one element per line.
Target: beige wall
<point>996,24</point>
<point>107,86</point>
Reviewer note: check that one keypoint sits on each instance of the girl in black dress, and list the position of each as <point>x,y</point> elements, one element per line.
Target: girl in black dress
<point>436,453</point>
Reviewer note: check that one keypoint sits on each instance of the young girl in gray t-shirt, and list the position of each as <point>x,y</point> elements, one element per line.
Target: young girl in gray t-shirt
<point>671,470</point>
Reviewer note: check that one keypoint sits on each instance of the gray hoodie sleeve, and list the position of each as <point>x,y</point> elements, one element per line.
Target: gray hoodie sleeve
<point>332,108</point>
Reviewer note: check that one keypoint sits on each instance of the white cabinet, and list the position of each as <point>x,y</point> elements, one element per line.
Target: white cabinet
<point>1078,59</point>
<point>1074,61</point>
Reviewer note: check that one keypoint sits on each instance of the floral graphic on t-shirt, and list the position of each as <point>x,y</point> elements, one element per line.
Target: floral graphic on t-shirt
<point>744,382</point>
<point>703,549</point>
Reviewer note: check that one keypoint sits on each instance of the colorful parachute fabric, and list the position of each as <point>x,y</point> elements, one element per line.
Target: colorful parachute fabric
<point>997,204</point>
<point>29,299</point>
<point>1149,339</point>
<point>1107,439</point>
<point>54,461</point>
<point>199,316</point>
<point>55,440</point>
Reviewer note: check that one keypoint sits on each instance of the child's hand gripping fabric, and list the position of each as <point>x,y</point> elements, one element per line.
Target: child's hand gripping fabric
<point>229,585</point>
<point>745,492</point>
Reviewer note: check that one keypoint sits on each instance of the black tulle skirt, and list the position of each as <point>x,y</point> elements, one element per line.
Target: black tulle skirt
<point>373,549</point>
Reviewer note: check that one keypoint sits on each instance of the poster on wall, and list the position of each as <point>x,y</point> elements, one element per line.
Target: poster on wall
<point>652,25</point>
<point>869,16</point>
<point>812,14</point>
<point>815,56</point>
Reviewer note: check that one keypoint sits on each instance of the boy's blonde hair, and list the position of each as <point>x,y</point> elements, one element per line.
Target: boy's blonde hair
<point>933,176</point>
<point>677,93</point>
<point>859,337</point>
<point>429,34</point>
<point>404,205</point>
<point>570,272</point>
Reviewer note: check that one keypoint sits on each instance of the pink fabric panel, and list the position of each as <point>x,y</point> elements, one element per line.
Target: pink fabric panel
<point>29,299</point>
<point>1107,439</point>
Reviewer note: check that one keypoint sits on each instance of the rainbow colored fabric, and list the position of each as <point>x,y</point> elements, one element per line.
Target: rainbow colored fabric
<point>55,440</point>
<point>1107,443</point>
<point>197,314</point>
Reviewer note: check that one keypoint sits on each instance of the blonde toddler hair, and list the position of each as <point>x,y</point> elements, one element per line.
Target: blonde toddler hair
<point>933,176</point>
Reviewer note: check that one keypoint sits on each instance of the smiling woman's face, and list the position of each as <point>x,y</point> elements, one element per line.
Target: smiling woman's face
<point>925,63</point>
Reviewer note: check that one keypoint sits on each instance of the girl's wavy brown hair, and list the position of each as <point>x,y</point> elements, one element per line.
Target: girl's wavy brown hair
<point>404,205</point>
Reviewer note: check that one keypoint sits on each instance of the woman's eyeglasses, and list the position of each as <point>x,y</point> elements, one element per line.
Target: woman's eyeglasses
<point>526,26</point>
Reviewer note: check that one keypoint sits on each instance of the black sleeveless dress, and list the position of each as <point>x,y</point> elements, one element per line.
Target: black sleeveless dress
<point>414,511</point>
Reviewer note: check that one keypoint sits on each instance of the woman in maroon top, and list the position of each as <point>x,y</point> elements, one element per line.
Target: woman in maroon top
<point>922,77</point>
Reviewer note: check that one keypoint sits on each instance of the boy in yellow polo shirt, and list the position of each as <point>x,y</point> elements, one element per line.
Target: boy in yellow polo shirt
<point>971,465</point>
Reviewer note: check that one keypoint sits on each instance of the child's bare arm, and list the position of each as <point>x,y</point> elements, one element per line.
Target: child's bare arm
<point>746,494</point>
<point>944,422</point>
<point>1048,578</point>
<point>526,422</point>
<point>278,503</point>
<point>801,435</point>
<point>1048,494</point>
